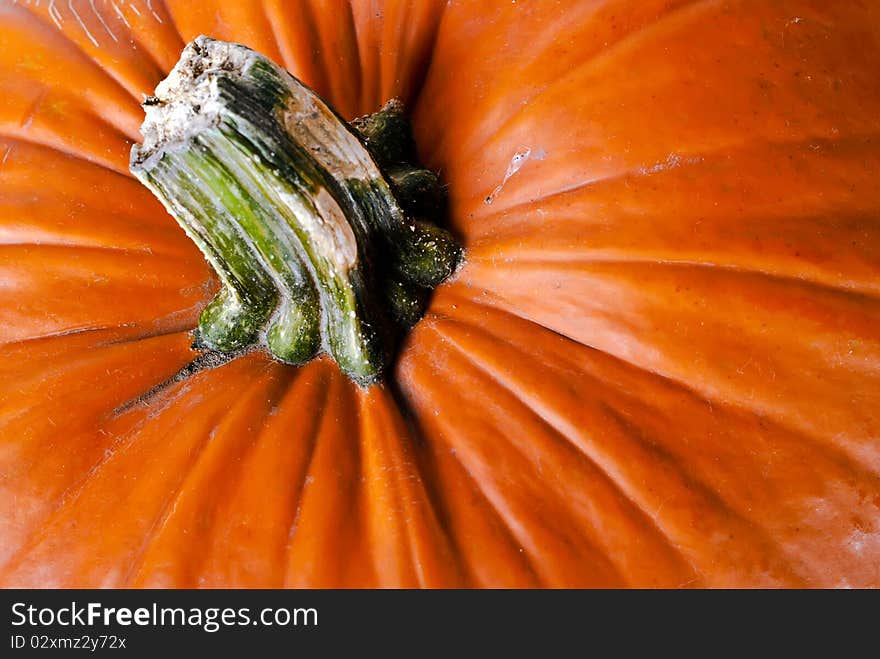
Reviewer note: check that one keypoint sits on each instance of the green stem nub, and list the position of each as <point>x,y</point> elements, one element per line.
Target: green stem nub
<point>318,230</point>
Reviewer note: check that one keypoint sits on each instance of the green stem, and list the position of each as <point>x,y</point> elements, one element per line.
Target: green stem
<point>315,248</point>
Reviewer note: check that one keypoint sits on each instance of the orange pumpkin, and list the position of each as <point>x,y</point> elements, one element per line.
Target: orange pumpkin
<point>658,366</point>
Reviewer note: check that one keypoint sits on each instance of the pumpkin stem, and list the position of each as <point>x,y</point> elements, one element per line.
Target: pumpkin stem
<point>318,230</point>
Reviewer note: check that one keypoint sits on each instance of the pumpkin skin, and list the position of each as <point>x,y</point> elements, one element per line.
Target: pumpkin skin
<point>659,365</point>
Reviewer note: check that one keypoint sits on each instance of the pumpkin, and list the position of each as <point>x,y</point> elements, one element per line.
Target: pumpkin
<point>659,364</point>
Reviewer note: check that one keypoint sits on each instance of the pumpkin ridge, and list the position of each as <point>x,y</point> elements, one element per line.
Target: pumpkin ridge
<point>356,81</point>
<point>682,159</point>
<point>56,335</point>
<point>322,81</point>
<point>69,496</point>
<point>302,481</point>
<point>269,386</point>
<point>166,510</point>
<point>421,74</point>
<point>680,7</point>
<point>426,468</point>
<point>62,151</point>
<point>329,550</point>
<point>846,464</point>
<point>843,455</point>
<point>417,450</point>
<point>51,30</point>
<point>290,543</point>
<point>209,359</point>
<point>182,328</point>
<point>60,147</point>
<point>564,436</point>
<point>273,30</point>
<point>629,492</point>
<point>827,285</point>
<point>785,562</point>
<point>502,519</point>
<point>147,52</point>
<point>169,20</point>
<point>393,481</point>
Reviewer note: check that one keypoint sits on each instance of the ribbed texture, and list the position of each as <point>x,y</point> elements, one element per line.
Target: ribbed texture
<point>660,365</point>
